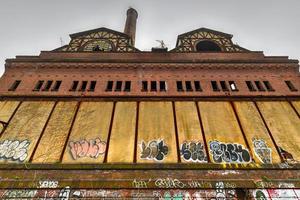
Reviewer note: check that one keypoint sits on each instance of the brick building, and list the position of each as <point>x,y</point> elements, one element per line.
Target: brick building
<point>99,118</point>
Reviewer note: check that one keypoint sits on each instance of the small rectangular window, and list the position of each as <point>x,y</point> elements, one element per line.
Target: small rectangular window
<point>56,86</point>
<point>291,86</point>
<point>153,86</point>
<point>118,86</point>
<point>47,86</point>
<point>92,86</point>
<point>144,86</point>
<point>224,86</point>
<point>188,86</point>
<point>127,86</point>
<point>268,86</point>
<point>38,85</point>
<point>215,86</point>
<point>259,86</point>
<point>109,86</point>
<point>233,86</point>
<point>179,86</point>
<point>83,86</point>
<point>14,86</point>
<point>198,86</point>
<point>250,86</point>
<point>74,86</point>
<point>162,86</point>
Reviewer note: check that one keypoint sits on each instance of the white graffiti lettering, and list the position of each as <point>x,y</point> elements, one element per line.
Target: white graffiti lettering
<point>262,151</point>
<point>14,150</point>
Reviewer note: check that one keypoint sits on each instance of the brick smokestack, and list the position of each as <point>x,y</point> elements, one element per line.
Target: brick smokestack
<point>130,25</point>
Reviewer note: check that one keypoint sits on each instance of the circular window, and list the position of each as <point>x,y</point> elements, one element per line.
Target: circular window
<point>98,45</point>
<point>207,46</point>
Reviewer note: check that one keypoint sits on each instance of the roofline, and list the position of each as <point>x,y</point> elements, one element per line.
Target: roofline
<point>74,35</point>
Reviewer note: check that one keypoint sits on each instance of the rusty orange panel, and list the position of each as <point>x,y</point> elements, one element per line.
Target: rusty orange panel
<point>7,108</point>
<point>260,142</point>
<point>156,133</point>
<point>87,142</point>
<point>192,147</point>
<point>22,133</point>
<point>123,130</point>
<point>223,134</point>
<point>284,125</point>
<point>296,104</point>
<point>54,138</point>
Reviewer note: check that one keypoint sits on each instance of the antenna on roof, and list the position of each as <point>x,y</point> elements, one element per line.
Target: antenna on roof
<point>162,44</point>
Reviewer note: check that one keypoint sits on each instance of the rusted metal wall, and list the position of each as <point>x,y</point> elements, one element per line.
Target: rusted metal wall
<point>221,132</point>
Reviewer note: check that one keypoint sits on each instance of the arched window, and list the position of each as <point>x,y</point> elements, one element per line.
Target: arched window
<point>207,46</point>
<point>98,45</point>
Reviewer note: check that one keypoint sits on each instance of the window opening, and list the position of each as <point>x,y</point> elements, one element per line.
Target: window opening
<point>215,86</point>
<point>38,85</point>
<point>162,86</point>
<point>291,86</point>
<point>188,86</point>
<point>179,86</point>
<point>259,86</point>
<point>127,86</point>
<point>198,86</point>
<point>224,86</point>
<point>250,86</point>
<point>48,86</point>
<point>268,86</point>
<point>74,86</point>
<point>233,86</point>
<point>153,86</point>
<point>56,86</point>
<point>109,85</point>
<point>92,86</point>
<point>14,86</point>
<point>144,86</point>
<point>83,86</point>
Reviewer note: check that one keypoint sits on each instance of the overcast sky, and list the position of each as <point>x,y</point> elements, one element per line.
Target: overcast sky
<point>29,26</point>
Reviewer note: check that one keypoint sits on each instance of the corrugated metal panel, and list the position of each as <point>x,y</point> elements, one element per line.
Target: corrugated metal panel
<point>50,148</point>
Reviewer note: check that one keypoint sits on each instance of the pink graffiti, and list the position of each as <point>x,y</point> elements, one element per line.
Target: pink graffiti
<point>91,149</point>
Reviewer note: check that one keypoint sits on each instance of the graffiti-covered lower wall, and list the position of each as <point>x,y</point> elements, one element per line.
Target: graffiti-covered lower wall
<point>221,132</point>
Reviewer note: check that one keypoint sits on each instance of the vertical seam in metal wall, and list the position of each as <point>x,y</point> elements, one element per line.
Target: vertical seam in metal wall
<point>70,130</point>
<point>269,131</point>
<point>109,132</point>
<point>136,131</point>
<point>11,117</point>
<point>202,130</point>
<point>176,132</point>
<point>241,128</point>
<point>42,133</point>
<point>293,107</point>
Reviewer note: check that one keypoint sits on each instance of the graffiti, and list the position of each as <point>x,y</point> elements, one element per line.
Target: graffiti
<point>262,151</point>
<point>140,183</point>
<point>220,191</point>
<point>14,150</point>
<point>64,193</point>
<point>48,184</point>
<point>169,183</point>
<point>91,149</point>
<point>229,153</point>
<point>288,157</point>
<point>193,151</point>
<point>11,194</point>
<point>155,150</point>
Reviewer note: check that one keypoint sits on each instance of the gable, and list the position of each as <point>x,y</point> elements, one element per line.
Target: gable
<point>188,42</point>
<point>101,39</point>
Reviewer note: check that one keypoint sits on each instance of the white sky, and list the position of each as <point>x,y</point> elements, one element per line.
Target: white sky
<point>29,26</point>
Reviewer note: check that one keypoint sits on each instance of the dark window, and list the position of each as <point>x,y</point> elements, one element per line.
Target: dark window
<point>14,86</point>
<point>56,86</point>
<point>48,86</point>
<point>38,85</point>
<point>198,86</point>
<point>153,86</point>
<point>127,86</point>
<point>74,86</point>
<point>250,86</point>
<point>179,86</point>
<point>83,86</point>
<point>188,86</point>
<point>233,86</point>
<point>259,86</point>
<point>92,86</point>
<point>118,86</point>
<point>207,46</point>
<point>144,86</point>
<point>224,86</point>
<point>268,86</point>
<point>109,86</point>
<point>215,86</point>
<point>162,86</point>
<point>291,86</point>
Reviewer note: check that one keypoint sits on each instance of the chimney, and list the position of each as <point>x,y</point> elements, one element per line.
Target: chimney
<point>130,25</point>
